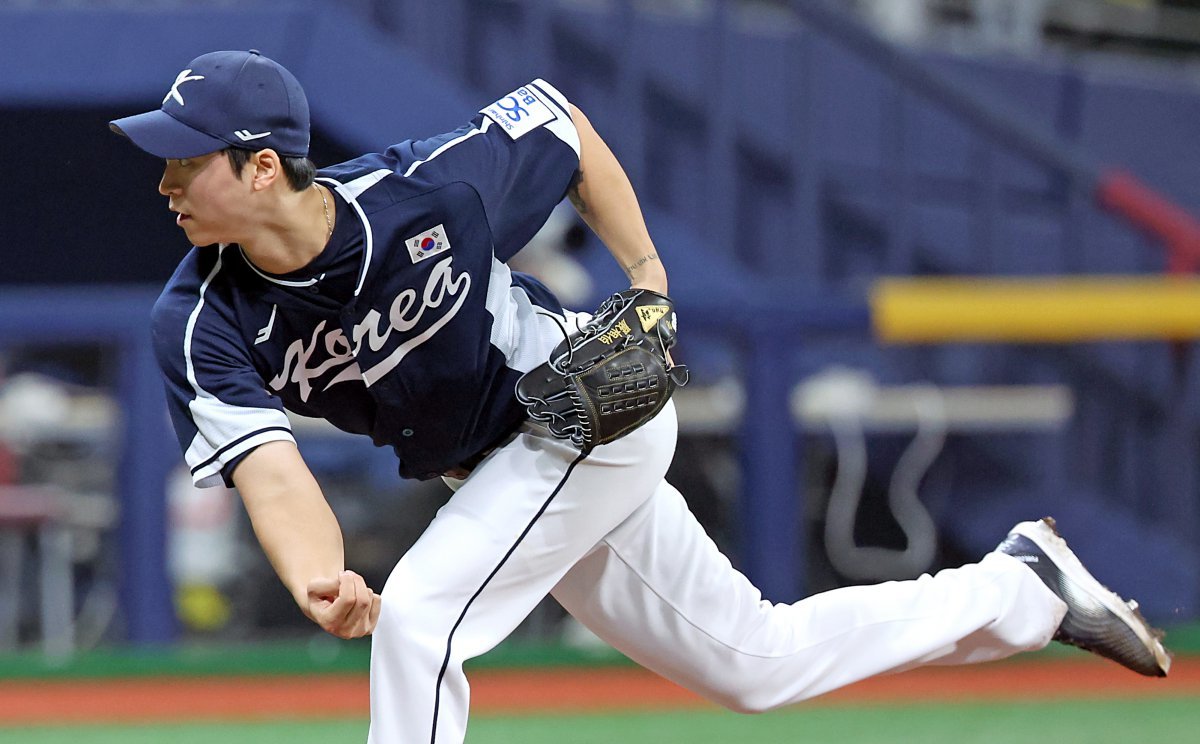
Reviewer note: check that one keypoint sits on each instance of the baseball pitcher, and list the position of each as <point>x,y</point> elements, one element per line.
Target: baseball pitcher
<point>375,294</point>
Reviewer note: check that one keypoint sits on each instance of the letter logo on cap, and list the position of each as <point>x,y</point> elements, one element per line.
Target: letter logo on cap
<point>183,77</point>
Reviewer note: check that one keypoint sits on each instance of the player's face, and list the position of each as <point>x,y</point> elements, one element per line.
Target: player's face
<point>207,196</point>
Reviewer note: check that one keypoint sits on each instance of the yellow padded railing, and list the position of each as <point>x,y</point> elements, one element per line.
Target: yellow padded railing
<point>1035,310</point>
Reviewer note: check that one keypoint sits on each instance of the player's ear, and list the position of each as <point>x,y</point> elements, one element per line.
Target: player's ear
<point>265,168</point>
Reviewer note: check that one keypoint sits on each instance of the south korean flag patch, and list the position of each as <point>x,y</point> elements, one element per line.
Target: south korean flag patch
<point>520,112</point>
<point>429,243</point>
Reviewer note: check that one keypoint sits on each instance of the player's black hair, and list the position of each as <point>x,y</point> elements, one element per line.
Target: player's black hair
<point>299,171</point>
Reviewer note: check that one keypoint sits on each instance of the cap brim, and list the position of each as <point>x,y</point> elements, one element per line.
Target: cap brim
<point>159,133</point>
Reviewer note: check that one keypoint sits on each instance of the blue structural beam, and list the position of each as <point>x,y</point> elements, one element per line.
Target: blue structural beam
<point>768,325</point>
<point>118,319</point>
<point>772,538</point>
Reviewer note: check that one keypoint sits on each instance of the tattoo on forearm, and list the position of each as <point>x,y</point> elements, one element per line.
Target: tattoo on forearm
<point>640,263</point>
<point>574,195</point>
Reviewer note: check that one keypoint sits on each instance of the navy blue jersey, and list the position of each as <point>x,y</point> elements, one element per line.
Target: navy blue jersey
<point>408,328</point>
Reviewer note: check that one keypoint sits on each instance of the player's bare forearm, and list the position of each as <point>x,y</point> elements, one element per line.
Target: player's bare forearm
<point>301,537</point>
<point>293,522</point>
<point>604,197</point>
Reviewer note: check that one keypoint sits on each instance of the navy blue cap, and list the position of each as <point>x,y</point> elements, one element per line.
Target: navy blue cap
<point>224,99</point>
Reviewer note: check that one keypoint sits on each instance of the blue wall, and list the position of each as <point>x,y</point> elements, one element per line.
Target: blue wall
<point>781,172</point>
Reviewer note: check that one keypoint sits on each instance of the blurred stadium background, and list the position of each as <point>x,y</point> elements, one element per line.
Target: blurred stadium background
<point>794,160</point>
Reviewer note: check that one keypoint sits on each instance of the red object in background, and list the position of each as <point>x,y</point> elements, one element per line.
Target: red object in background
<point>10,468</point>
<point>1176,227</point>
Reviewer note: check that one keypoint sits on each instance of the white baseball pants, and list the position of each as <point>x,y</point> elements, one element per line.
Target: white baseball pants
<point>617,546</point>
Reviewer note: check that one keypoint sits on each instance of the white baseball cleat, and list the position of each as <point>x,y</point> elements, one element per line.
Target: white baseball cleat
<point>1097,619</point>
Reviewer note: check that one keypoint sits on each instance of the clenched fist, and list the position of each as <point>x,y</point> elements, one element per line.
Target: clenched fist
<point>344,605</point>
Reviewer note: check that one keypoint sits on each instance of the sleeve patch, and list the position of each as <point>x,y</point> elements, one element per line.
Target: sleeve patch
<point>520,112</point>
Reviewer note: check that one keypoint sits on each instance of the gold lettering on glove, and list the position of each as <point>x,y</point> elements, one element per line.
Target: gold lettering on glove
<point>619,330</point>
<point>651,314</point>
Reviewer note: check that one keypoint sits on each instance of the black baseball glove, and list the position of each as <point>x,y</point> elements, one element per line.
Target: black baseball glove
<point>613,377</point>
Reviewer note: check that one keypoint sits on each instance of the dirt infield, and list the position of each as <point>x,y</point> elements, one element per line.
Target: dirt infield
<point>575,690</point>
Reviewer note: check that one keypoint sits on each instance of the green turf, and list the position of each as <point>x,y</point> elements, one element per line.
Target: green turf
<point>1076,722</point>
<point>318,653</point>
<point>1119,722</point>
<point>266,732</point>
